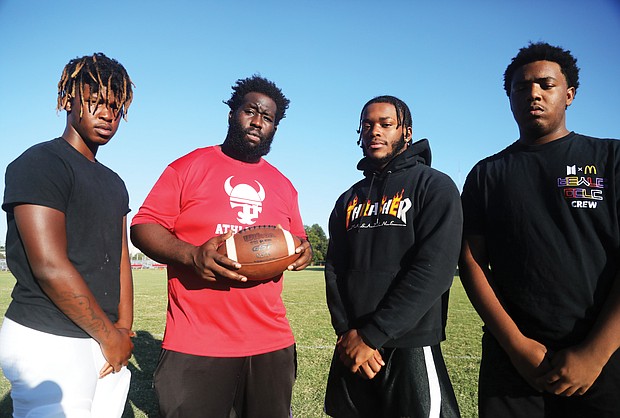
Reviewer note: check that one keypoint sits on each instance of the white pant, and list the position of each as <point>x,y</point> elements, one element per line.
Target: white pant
<point>53,376</point>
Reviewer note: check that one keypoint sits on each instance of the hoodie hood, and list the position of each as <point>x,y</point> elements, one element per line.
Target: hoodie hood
<point>417,153</point>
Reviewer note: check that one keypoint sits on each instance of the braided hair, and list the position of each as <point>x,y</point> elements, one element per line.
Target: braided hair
<point>403,114</point>
<point>101,74</point>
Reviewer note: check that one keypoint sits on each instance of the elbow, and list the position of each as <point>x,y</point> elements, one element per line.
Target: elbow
<point>50,272</point>
<point>143,236</point>
<point>135,235</point>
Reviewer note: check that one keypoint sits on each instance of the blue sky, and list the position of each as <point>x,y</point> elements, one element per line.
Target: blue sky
<point>444,58</point>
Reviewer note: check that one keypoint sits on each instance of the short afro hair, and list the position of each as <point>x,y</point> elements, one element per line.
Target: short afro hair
<point>542,51</point>
<point>258,84</point>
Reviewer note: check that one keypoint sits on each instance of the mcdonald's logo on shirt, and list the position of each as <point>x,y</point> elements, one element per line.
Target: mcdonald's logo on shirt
<point>589,169</point>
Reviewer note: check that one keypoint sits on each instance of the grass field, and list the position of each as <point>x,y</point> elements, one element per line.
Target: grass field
<point>304,296</point>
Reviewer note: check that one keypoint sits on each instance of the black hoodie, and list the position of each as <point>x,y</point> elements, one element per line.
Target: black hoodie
<point>394,241</point>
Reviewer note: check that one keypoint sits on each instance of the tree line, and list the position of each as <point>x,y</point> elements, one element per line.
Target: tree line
<point>319,242</point>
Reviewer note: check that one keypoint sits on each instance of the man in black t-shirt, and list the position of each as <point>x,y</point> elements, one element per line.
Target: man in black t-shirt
<point>65,340</point>
<point>540,254</point>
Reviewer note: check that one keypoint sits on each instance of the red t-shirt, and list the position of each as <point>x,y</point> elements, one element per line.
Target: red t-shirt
<point>203,194</point>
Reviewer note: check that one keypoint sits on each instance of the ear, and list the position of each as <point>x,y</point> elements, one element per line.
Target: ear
<point>68,104</point>
<point>570,95</point>
<point>408,133</point>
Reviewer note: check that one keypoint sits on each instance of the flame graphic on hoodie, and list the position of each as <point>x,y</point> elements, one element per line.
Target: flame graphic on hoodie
<point>352,204</point>
<point>396,203</point>
<point>397,206</point>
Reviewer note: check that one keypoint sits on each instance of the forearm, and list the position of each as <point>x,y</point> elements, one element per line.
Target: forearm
<point>43,233</point>
<point>418,291</point>
<point>161,245</point>
<point>604,338</point>
<point>335,304</point>
<point>125,306</point>
<point>415,299</point>
<point>64,285</point>
<point>336,262</point>
<point>575,369</point>
<point>475,277</point>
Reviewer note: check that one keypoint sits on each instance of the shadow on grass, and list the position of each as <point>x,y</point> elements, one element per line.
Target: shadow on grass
<point>146,355</point>
<point>6,406</point>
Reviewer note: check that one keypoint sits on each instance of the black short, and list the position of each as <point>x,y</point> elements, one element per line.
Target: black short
<point>250,387</point>
<point>413,383</point>
<point>502,392</point>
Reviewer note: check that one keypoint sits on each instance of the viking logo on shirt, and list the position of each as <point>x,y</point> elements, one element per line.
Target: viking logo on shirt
<point>394,207</point>
<point>247,198</point>
<point>581,187</point>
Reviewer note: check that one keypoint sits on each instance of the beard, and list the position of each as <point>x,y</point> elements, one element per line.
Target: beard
<point>235,145</point>
<point>396,149</point>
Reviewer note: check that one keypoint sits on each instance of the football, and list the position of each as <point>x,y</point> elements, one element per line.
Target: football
<point>264,252</point>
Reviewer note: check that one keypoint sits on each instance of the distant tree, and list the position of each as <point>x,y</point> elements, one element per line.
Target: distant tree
<point>318,239</point>
<point>138,257</point>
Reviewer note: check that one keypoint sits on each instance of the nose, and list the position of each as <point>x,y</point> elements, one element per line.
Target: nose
<point>375,130</point>
<point>106,113</point>
<point>535,91</point>
<point>257,120</point>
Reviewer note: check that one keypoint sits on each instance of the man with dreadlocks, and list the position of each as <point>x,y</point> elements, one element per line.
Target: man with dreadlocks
<point>228,349</point>
<point>393,248</point>
<point>541,254</point>
<point>65,339</point>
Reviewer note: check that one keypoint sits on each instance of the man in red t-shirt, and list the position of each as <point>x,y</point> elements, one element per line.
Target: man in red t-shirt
<point>228,349</point>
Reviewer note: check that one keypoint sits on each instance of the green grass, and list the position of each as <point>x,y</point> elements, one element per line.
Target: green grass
<point>304,296</point>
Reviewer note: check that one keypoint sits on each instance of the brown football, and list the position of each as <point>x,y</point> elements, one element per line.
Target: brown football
<point>263,251</point>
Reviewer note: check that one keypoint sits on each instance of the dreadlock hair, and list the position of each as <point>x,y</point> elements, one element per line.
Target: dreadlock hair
<point>403,114</point>
<point>258,84</point>
<point>542,51</point>
<point>100,73</point>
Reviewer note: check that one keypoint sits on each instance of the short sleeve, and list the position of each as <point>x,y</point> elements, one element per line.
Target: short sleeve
<point>471,199</point>
<point>163,203</point>
<point>37,177</point>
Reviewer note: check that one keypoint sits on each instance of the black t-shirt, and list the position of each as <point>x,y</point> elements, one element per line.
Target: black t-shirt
<point>549,214</point>
<point>94,200</point>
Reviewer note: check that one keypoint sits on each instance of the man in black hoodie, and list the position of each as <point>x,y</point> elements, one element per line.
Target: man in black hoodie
<point>394,245</point>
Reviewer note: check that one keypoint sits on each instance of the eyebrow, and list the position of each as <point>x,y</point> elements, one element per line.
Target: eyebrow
<point>536,80</point>
<point>382,119</point>
<point>261,109</point>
